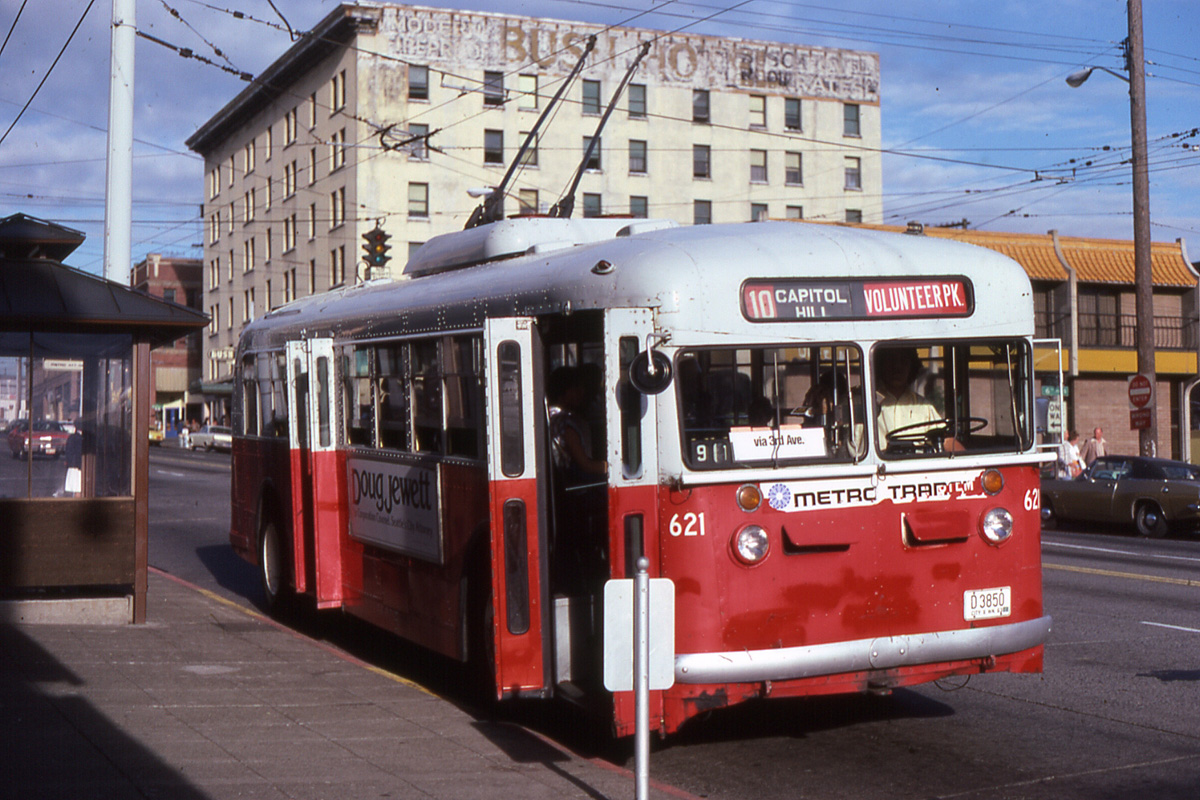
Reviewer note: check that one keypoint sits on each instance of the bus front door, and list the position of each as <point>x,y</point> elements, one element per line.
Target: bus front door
<point>315,480</point>
<point>517,503</point>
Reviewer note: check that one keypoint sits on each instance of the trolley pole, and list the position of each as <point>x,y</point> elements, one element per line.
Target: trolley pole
<point>641,671</point>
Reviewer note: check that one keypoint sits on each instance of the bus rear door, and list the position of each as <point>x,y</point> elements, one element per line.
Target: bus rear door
<point>316,482</point>
<point>516,445</point>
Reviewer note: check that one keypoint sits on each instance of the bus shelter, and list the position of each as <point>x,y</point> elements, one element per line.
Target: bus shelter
<point>75,390</point>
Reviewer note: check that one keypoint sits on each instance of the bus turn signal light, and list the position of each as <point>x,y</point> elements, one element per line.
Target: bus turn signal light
<point>749,498</point>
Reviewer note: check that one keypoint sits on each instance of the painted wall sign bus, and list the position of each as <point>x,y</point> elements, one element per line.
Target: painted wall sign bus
<point>809,300</point>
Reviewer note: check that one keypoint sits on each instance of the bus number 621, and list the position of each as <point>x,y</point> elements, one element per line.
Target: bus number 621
<point>690,525</point>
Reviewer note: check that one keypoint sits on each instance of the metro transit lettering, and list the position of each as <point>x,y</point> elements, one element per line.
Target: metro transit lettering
<point>834,497</point>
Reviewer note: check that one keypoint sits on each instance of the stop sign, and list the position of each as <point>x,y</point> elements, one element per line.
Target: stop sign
<point>1140,391</point>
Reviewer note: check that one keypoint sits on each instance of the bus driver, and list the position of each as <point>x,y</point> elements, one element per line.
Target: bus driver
<point>898,405</point>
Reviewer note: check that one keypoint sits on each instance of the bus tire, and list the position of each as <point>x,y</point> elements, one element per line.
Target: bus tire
<point>274,570</point>
<point>1049,519</point>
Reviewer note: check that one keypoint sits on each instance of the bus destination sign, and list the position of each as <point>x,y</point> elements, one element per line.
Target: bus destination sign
<point>802,300</point>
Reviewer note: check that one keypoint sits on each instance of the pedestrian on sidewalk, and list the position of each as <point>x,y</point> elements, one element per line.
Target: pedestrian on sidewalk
<point>1094,447</point>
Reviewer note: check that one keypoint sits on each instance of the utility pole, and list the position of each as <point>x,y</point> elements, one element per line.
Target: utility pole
<point>1143,283</point>
<point>118,187</point>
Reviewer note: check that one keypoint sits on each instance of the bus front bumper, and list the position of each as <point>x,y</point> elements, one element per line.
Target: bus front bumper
<point>749,666</point>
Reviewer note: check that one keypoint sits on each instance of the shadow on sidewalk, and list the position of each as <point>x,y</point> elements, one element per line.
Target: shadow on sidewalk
<point>56,743</point>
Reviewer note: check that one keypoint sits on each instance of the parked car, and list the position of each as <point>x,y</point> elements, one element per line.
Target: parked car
<point>48,438</point>
<point>156,434</point>
<point>212,437</point>
<point>1152,494</point>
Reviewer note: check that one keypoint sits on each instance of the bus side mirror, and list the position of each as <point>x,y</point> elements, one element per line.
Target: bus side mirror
<point>650,372</point>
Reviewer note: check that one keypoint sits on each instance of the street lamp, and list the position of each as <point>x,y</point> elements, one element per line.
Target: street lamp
<point>1143,283</point>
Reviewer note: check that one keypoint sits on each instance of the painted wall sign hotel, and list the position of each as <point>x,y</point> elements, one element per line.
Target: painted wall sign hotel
<point>781,300</point>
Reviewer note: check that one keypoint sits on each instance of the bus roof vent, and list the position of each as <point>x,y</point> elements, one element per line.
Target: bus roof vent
<point>517,236</point>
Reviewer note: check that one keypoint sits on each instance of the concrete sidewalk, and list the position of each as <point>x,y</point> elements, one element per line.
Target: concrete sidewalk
<point>211,700</point>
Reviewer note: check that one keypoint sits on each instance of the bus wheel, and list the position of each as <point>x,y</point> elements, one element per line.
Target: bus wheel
<point>273,569</point>
<point>1049,520</point>
<point>1149,520</point>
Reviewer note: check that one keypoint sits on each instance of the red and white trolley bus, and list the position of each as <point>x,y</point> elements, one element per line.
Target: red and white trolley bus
<point>393,455</point>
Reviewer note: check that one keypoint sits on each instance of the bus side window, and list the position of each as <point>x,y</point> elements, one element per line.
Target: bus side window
<point>357,400</point>
<point>279,410</point>
<point>464,403</point>
<point>391,396</point>
<point>426,401</point>
<point>249,418</point>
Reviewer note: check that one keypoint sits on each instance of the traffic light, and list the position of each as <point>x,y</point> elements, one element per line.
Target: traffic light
<point>376,247</point>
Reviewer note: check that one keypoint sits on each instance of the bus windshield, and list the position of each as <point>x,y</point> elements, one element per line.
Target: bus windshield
<point>951,397</point>
<point>774,406</point>
<point>771,405</point>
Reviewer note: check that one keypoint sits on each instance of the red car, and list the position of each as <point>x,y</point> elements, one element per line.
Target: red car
<point>48,438</point>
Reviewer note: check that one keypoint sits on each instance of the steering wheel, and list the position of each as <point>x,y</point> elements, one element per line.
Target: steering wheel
<point>934,431</point>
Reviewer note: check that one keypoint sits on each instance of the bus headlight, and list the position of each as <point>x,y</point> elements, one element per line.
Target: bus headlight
<point>751,545</point>
<point>996,526</point>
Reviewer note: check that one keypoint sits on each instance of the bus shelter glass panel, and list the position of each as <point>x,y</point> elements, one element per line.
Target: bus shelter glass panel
<point>761,406</point>
<point>952,397</point>
<point>66,407</point>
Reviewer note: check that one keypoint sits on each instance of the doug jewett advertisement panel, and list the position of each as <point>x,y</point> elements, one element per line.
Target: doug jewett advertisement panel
<point>395,506</point>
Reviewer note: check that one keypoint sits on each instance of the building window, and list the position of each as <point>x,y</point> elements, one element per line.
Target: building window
<point>267,299</point>
<point>637,156</point>
<point>214,182</point>
<point>530,157</point>
<point>248,255</point>
<point>214,227</point>
<point>232,172</point>
<point>527,201</point>
<point>493,88</point>
<point>337,91</point>
<point>248,305</point>
<point>758,212</point>
<point>493,147</point>
<point>791,113</point>
<point>248,201</point>
<point>853,215</point>
<point>591,205</point>
<point>418,149</point>
<point>267,246</point>
<point>794,212</point>
<point>312,221</point>
<point>312,110</point>
<point>267,192</point>
<point>232,213</point>
<point>853,173</point>
<point>268,144</point>
<point>591,97</point>
<point>229,267</point>
<point>529,92</point>
<point>312,275</point>
<point>850,126</point>
<point>701,161</point>
<point>229,316</point>
<point>413,247</point>
<point>289,285</point>
<point>337,150</point>
<point>214,311</point>
<point>289,127</point>
<point>593,159</point>
<point>700,110</point>
<point>289,179</point>
<point>758,166</point>
<point>214,272</point>
<point>337,266</point>
<point>637,100</point>
<point>758,111</point>
<point>248,155</point>
<point>289,233</point>
<point>701,212</point>
<point>312,166</point>
<point>793,169</point>
<point>418,200</point>
<point>337,207</point>
<point>639,206</point>
<point>418,82</point>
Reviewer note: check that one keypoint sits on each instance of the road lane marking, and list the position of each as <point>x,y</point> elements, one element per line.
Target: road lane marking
<point>1095,549</point>
<point>1172,627</point>
<point>1108,573</point>
<point>172,474</point>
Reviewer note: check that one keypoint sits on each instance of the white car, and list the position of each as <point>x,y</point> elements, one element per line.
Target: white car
<point>212,437</point>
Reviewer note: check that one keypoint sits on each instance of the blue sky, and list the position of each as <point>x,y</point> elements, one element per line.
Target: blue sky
<point>978,123</point>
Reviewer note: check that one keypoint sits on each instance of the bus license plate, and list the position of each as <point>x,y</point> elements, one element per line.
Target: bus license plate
<point>987,603</point>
